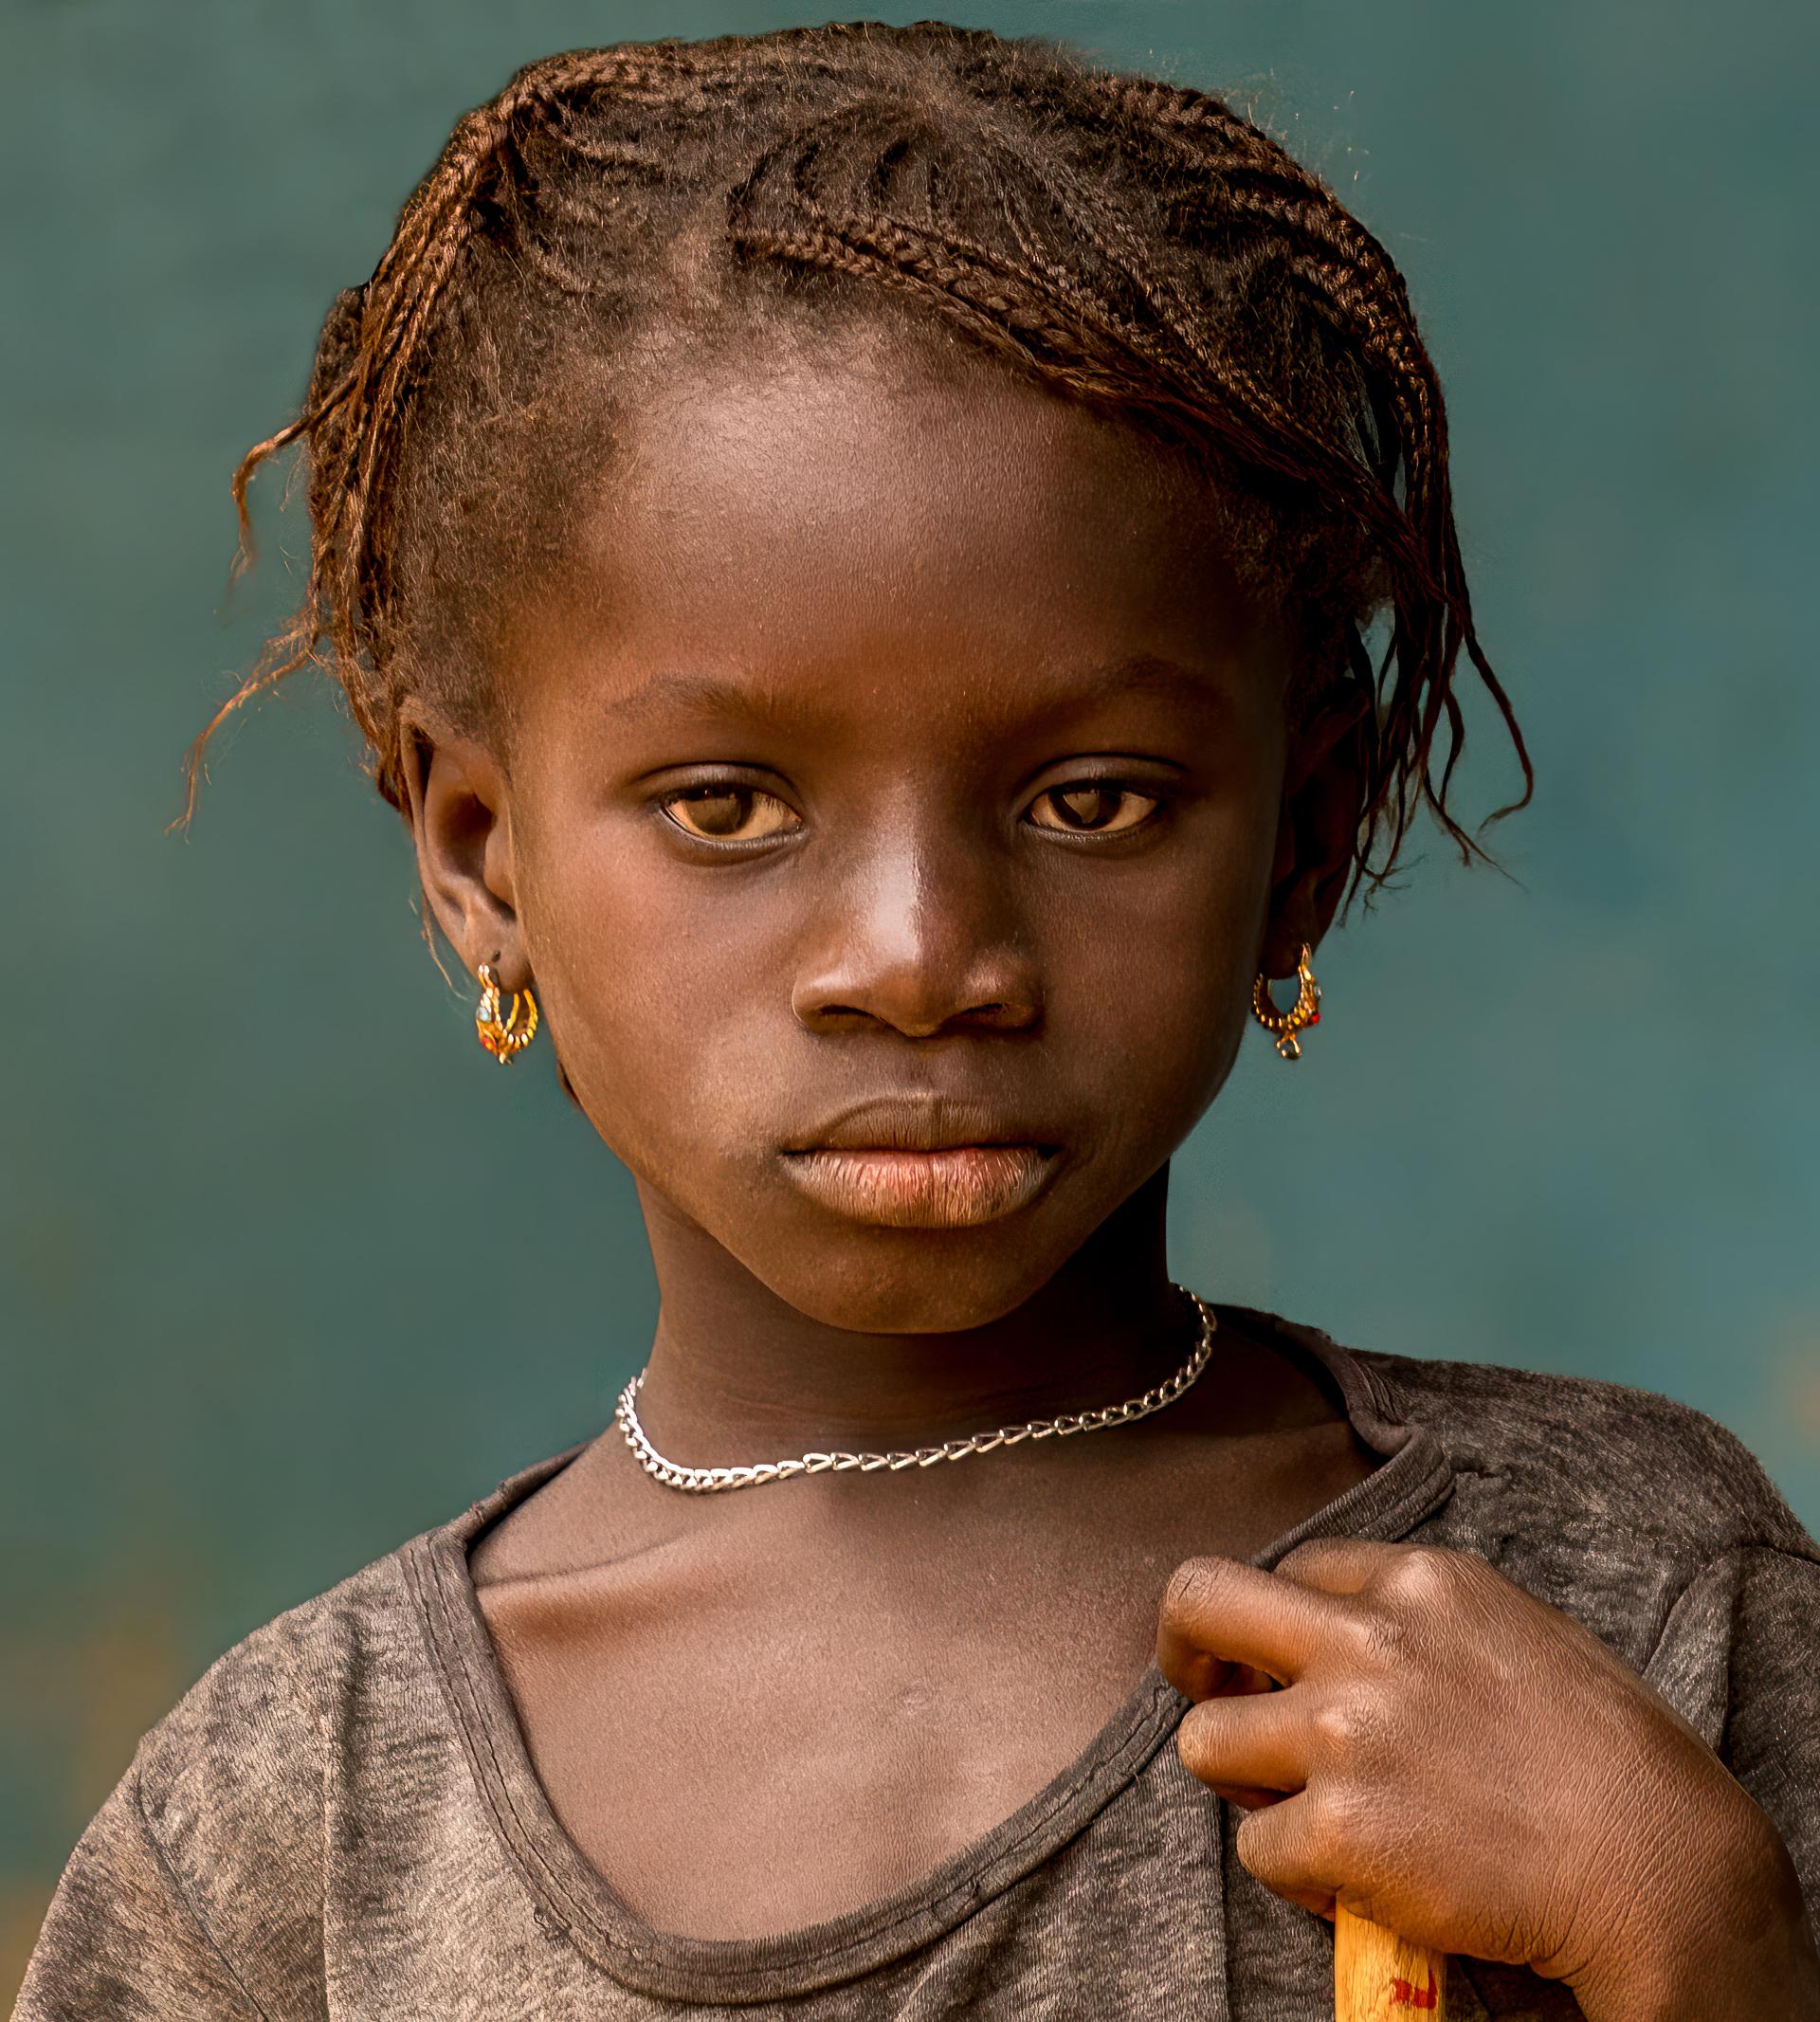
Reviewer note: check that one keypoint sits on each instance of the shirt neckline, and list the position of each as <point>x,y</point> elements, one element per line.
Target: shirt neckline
<point>571,1895</point>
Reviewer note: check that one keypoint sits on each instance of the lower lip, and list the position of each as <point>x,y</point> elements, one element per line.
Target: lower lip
<point>957,1187</point>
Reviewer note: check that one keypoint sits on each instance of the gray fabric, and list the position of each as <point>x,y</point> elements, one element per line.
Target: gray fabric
<point>340,1818</point>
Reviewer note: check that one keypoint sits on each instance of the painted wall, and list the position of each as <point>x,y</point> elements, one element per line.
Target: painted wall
<point>288,1271</point>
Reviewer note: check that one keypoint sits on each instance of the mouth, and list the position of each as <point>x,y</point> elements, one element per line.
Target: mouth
<point>922,1163</point>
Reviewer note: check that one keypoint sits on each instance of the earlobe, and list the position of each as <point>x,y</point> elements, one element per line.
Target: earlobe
<point>460,822</point>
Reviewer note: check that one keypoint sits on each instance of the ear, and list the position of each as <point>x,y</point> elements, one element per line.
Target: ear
<point>461,823</point>
<point>1322,793</point>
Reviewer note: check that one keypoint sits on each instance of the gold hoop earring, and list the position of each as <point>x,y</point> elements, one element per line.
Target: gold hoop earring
<point>1305,1010</point>
<point>506,1041</point>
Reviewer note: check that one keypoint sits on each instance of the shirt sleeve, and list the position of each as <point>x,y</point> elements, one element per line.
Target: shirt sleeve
<point>120,1940</point>
<point>1740,1658</point>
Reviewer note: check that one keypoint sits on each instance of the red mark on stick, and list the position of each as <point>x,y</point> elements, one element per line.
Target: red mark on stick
<point>1404,1996</point>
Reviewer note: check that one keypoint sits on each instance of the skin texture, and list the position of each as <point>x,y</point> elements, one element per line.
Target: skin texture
<point>862,619</point>
<point>1558,1812</point>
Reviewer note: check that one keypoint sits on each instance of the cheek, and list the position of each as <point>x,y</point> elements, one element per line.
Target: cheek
<point>1148,986</point>
<point>666,989</point>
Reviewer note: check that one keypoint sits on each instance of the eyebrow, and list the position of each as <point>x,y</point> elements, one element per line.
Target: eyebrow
<point>704,692</point>
<point>1140,674</point>
<point>1144,673</point>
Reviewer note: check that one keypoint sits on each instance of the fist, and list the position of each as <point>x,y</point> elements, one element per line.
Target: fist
<point>1418,1737</point>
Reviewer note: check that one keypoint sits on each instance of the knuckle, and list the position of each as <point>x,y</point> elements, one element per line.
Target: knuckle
<point>1351,1726</point>
<point>1339,1725</point>
<point>1420,1576</point>
<point>1336,1823</point>
<point>1396,1613</point>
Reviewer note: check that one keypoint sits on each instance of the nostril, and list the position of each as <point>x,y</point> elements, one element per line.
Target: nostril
<point>917,997</point>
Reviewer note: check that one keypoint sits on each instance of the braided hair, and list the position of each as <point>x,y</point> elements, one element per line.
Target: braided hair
<point>1129,244</point>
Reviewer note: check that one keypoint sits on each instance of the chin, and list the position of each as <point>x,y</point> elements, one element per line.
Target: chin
<point>927,1286</point>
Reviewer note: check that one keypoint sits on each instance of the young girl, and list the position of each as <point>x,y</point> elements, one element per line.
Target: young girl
<point>853,549</point>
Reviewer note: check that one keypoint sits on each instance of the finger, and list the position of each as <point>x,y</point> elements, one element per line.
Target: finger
<point>1259,1743</point>
<point>1290,1849</point>
<point>1247,1799</point>
<point>1220,1609</point>
<point>1240,1679</point>
<point>1200,1676</point>
<point>1341,1565</point>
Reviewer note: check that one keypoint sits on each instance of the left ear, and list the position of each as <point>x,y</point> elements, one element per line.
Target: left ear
<point>1323,789</point>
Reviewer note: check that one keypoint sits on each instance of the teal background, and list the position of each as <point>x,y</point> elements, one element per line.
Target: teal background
<point>290,1271</point>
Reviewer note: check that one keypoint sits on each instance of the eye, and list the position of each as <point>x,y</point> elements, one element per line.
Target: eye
<point>1091,806</point>
<point>730,813</point>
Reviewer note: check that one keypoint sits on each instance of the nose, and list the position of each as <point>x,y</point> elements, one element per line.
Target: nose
<point>923,936</point>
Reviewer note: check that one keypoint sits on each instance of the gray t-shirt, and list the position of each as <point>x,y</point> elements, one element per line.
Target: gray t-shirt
<point>340,1818</point>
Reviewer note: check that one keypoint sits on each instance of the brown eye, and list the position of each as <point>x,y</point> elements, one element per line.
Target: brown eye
<point>1091,806</point>
<point>730,813</point>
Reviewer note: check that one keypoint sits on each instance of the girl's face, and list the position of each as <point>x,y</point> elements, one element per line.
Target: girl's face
<point>895,821</point>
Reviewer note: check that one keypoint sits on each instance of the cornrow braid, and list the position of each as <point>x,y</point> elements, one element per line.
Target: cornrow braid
<point>1350,279</point>
<point>1134,245</point>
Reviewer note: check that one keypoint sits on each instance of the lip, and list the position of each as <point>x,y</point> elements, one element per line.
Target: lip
<point>957,1187</point>
<point>921,1162</point>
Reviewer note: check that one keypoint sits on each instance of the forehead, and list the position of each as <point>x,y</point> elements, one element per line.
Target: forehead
<point>793,520</point>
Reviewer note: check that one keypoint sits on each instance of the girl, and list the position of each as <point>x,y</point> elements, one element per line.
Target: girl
<point>853,549</point>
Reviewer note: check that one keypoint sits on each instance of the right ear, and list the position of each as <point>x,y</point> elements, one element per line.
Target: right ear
<point>459,812</point>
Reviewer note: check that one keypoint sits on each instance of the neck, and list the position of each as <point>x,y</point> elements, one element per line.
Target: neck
<point>736,1375</point>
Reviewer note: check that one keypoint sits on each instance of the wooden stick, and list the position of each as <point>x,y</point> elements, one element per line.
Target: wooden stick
<point>1381,1978</point>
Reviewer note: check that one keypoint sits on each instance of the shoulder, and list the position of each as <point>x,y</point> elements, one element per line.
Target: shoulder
<point>269,1699</point>
<point>199,1888</point>
<point>235,1783</point>
<point>1598,1458</point>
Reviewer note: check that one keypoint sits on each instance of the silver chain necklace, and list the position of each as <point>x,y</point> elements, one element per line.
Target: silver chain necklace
<point>707,1481</point>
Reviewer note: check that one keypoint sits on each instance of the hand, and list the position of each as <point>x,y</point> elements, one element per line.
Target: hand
<point>1454,1758</point>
